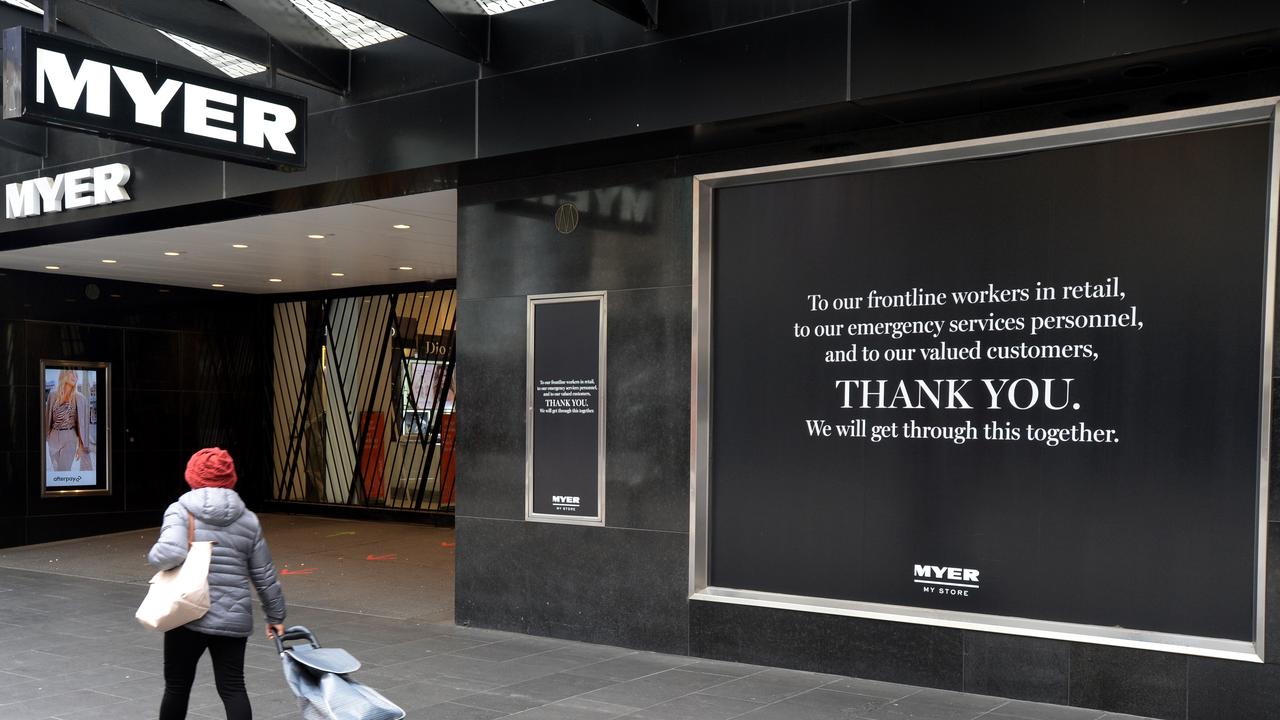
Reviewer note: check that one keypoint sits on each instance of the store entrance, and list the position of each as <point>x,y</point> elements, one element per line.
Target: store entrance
<point>317,347</point>
<point>363,403</point>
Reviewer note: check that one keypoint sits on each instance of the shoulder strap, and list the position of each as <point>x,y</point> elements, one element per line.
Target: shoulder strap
<point>191,529</point>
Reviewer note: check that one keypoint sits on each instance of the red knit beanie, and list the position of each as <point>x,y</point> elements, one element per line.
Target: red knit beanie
<point>211,467</point>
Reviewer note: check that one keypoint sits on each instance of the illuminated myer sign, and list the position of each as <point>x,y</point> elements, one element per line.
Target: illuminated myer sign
<point>71,190</point>
<point>49,80</point>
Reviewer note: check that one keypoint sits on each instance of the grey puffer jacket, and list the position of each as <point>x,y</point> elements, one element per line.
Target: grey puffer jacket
<point>240,558</point>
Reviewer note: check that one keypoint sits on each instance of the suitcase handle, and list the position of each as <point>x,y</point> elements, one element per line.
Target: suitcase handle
<point>297,632</point>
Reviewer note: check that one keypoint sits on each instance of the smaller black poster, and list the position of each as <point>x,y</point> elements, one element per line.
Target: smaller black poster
<point>565,424</point>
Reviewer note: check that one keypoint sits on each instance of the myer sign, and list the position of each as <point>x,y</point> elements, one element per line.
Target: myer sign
<point>67,191</point>
<point>50,80</point>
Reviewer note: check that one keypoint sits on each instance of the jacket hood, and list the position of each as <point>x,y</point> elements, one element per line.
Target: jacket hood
<point>215,506</point>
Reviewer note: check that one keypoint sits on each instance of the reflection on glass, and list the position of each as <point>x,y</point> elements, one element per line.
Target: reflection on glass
<point>418,393</point>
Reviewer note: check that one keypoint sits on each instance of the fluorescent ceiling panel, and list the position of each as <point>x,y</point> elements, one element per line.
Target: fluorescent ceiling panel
<point>24,5</point>
<point>351,29</point>
<point>495,7</point>
<point>226,62</point>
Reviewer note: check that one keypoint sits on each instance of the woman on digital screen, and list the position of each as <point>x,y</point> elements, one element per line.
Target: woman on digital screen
<point>68,425</point>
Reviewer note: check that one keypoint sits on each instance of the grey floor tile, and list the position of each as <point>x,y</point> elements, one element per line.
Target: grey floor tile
<point>770,685</point>
<point>656,688</point>
<point>912,709</point>
<point>635,665</point>
<point>874,688</point>
<point>48,705</point>
<point>130,710</point>
<point>1023,710</point>
<point>454,711</point>
<point>966,701</point>
<point>583,654</point>
<point>137,688</point>
<point>415,695</point>
<point>497,702</point>
<point>573,709</point>
<point>12,694</point>
<point>534,693</point>
<point>817,705</point>
<point>696,707</point>
<point>509,672</point>
<point>510,649</point>
<point>552,688</point>
<point>730,669</point>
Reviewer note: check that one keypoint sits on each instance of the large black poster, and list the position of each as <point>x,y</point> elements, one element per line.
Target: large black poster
<point>1024,386</point>
<point>565,422</point>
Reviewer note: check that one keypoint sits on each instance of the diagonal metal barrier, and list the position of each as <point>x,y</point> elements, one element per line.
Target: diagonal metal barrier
<point>362,400</point>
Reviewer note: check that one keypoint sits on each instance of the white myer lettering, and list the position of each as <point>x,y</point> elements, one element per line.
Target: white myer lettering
<point>565,500</point>
<point>268,123</point>
<point>944,580</point>
<point>148,104</point>
<point>77,189</point>
<point>206,112</point>
<point>198,113</point>
<point>93,79</point>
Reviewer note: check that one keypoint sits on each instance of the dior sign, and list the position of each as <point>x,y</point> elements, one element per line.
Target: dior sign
<point>50,80</point>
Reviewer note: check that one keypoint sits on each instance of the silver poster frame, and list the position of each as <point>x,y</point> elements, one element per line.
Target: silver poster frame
<point>533,301</point>
<point>1252,112</point>
<point>104,423</point>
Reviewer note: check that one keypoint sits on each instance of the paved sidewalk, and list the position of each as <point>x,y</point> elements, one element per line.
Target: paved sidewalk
<point>326,561</point>
<point>70,649</point>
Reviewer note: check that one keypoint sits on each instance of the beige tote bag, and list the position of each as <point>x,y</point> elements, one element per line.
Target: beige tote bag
<point>180,595</point>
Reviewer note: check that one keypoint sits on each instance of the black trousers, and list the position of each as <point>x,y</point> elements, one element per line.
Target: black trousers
<point>182,651</point>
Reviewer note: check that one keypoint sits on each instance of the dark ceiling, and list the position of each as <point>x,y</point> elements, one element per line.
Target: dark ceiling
<point>279,35</point>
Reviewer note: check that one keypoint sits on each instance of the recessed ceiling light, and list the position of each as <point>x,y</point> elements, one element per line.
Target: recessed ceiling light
<point>405,267</point>
<point>109,262</point>
<point>173,253</point>
<point>52,267</point>
<point>213,285</point>
<point>401,226</point>
<point>316,237</point>
<point>239,246</point>
<point>274,280</point>
<point>338,274</point>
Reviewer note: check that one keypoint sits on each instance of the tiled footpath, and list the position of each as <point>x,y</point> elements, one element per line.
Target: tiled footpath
<point>70,650</point>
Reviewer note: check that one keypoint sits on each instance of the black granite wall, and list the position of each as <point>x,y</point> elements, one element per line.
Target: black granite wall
<point>627,583</point>
<point>188,370</point>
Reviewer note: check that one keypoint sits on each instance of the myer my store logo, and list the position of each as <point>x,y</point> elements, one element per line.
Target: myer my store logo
<point>943,580</point>
<point>565,502</point>
<point>67,191</point>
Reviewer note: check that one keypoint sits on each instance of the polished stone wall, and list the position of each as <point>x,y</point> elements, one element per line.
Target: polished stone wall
<point>627,583</point>
<point>186,372</point>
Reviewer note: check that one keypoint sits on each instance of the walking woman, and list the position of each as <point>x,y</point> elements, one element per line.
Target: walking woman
<point>240,558</point>
<point>68,418</point>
